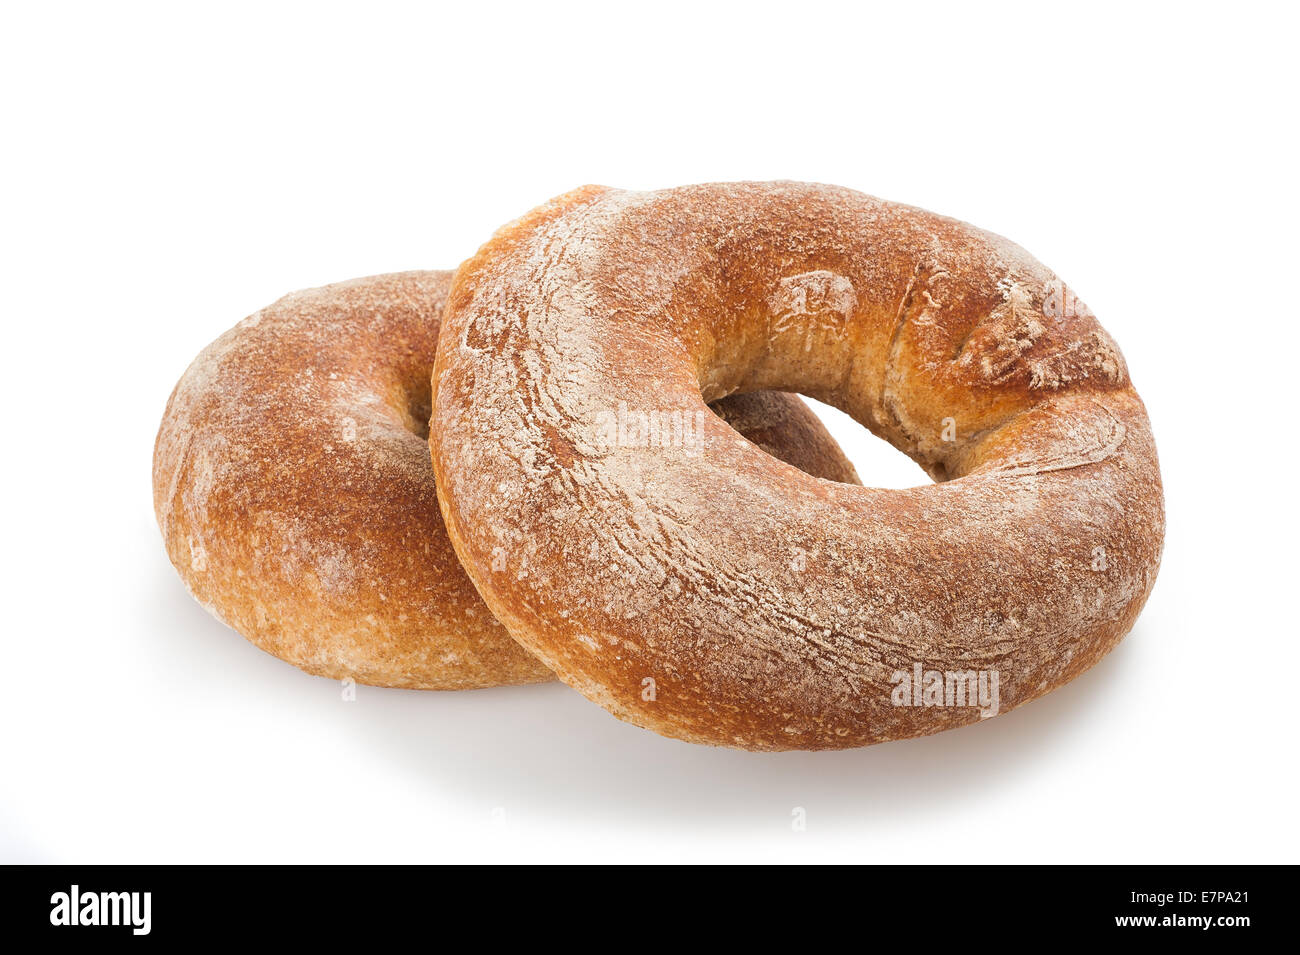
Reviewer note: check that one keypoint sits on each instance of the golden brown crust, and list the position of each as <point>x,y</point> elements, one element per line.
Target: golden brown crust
<point>715,595</point>
<point>293,489</point>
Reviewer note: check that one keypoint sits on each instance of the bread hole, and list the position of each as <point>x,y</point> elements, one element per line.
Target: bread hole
<point>879,464</point>
<point>416,405</point>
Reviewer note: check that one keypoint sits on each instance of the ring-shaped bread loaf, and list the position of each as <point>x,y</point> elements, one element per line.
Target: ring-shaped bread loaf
<point>708,592</point>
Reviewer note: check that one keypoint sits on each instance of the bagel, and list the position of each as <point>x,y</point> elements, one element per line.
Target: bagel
<point>720,596</point>
<point>292,485</point>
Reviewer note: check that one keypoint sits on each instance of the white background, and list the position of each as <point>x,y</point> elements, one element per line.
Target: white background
<point>166,172</point>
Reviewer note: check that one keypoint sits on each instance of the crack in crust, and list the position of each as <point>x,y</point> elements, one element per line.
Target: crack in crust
<point>916,300</point>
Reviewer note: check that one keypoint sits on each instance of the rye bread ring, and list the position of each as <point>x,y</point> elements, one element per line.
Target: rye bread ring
<point>292,484</point>
<point>715,595</point>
